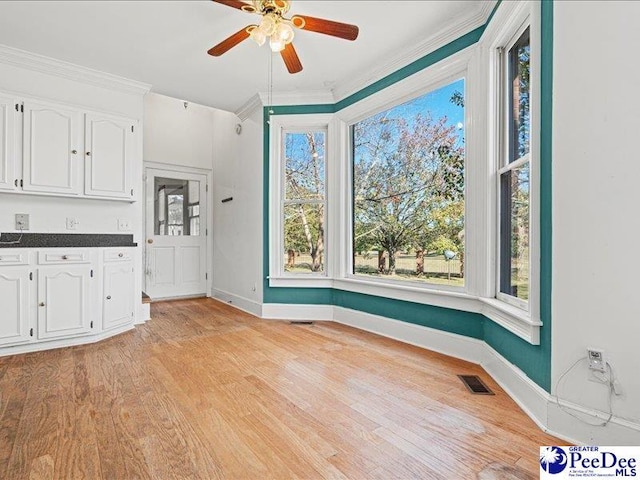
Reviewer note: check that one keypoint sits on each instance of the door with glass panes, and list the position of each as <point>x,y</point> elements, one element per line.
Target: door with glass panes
<point>176,256</point>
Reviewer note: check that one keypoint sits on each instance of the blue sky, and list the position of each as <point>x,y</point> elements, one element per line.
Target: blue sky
<point>438,103</point>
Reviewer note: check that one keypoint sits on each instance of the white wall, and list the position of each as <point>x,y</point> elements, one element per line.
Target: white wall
<point>596,197</point>
<point>177,135</point>
<point>238,224</point>
<point>206,138</point>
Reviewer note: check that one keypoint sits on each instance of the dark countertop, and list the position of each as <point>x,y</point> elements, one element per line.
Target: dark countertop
<point>49,240</point>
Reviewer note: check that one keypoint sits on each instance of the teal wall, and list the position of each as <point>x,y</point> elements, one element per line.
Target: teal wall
<point>534,360</point>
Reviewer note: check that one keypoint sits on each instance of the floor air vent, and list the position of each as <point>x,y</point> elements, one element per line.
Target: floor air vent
<point>301,322</point>
<point>475,385</point>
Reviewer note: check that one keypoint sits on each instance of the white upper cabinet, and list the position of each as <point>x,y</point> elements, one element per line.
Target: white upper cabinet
<point>109,151</point>
<point>52,148</point>
<point>7,143</point>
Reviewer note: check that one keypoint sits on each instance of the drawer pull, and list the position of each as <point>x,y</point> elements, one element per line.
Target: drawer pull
<point>42,304</point>
<point>121,255</point>
<point>108,297</point>
<point>65,257</point>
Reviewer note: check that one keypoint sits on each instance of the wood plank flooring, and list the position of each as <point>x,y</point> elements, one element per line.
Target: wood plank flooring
<point>204,391</point>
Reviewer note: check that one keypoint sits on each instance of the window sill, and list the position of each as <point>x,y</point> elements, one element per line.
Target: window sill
<point>512,318</point>
<point>301,281</point>
<point>457,300</point>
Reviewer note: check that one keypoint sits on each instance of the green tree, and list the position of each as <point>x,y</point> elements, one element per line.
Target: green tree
<point>304,214</point>
<point>403,171</point>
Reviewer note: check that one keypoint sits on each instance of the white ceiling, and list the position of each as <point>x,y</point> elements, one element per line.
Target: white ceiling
<point>165,43</point>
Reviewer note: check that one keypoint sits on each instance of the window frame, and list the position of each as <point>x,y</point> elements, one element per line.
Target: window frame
<point>510,22</point>
<point>280,126</point>
<point>429,87</point>
<point>507,133</point>
<point>443,73</point>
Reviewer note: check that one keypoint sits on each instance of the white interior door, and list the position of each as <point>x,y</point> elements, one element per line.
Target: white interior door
<point>176,224</point>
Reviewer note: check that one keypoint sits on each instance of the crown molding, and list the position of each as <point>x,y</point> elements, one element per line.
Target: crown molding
<point>60,68</point>
<point>302,97</point>
<point>476,19</point>
<point>307,97</point>
<point>486,8</point>
<point>249,108</point>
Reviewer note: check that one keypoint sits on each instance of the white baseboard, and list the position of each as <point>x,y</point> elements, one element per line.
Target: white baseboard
<point>618,431</point>
<point>242,303</point>
<point>65,342</point>
<point>280,311</point>
<point>458,346</point>
<point>534,401</point>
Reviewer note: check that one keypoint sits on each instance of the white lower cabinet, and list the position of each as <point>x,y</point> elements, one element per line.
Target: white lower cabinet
<point>64,296</point>
<point>117,295</point>
<point>14,305</point>
<point>58,296</point>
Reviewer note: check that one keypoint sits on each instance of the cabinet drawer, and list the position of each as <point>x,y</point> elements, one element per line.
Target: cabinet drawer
<point>13,258</point>
<point>118,255</point>
<point>63,256</point>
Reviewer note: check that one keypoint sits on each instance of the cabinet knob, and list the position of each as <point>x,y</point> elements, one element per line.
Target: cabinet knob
<point>108,297</point>
<point>88,154</point>
<point>65,257</point>
<point>74,151</point>
<point>150,240</point>
<point>121,255</point>
<point>42,304</point>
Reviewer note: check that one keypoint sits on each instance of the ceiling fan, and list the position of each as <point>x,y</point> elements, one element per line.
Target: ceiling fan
<point>278,29</point>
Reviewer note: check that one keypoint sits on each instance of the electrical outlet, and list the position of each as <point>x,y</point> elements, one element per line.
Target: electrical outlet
<point>124,225</point>
<point>72,223</point>
<point>22,221</point>
<point>596,360</point>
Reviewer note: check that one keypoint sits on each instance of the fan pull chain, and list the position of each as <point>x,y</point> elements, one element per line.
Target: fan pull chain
<point>270,93</point>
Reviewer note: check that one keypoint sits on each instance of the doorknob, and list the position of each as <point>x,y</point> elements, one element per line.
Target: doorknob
<point>150,240</point>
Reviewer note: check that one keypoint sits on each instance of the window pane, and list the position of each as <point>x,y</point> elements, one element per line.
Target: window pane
<point>408,190</point>
<point>176,202</point>
<point>304,165</point>
<point>514,232</point>
<point>304,238</point>
<point>519,97</point>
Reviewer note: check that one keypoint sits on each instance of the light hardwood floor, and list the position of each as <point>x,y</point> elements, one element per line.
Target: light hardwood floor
<point>206,391</point>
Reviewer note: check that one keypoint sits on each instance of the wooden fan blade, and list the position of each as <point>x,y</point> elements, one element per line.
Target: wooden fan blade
<point>291,60</point>
<point>328,27</point>
<point>229,43</point>
<point>236,4</point>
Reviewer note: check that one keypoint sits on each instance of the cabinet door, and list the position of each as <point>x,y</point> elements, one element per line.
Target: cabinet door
<point>118,295</point>
<point>14,302</point>
<point>109,150</point>
<point>64,301</point>
<point>7,143</point>
<point>52,149</point>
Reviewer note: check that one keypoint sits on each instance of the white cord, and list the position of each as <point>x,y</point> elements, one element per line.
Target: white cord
<point>610,383</point>
<point>11,242</point>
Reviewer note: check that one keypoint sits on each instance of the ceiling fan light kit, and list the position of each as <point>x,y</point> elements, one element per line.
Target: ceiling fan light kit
<point>279,29</point>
